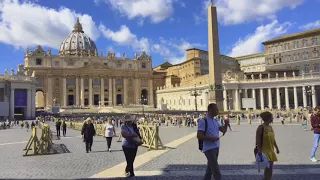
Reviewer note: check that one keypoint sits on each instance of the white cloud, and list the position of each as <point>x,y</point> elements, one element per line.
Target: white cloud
<point>124,37</point>
<point>174,50</point>
<point>311,25</point>
<point>252,42</point>
<point>234,12</point>
<point>24,24</point>
<point>156,10</point>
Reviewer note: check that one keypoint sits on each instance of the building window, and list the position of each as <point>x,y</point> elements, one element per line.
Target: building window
<point>143,65</point>
<point>305,43</point>
<point>85,63</point>
<point>119,65</point>
<point>70,63</point>
<point>106,64</point>
<point>70,81</point>
<point>315,54</point>
<point>200,102</point>
<point>96,82</point>
<point>39,82</point>
<point>306,68</point>
<point>296,44</point>
<point>130,66</point>
<point>57,63</point>
<point>189,102</point>
<point>105,82</point>
<point>38,62</point>
<point>118,81</point>
<point>314,41</point>
<point>86,82</point>
<point>316,67</point>
<point>144,83</point>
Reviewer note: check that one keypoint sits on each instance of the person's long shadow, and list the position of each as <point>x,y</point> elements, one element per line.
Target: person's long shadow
<point>106,151</point>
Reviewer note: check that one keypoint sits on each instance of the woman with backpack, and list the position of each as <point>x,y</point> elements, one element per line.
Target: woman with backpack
<point>266,143</point>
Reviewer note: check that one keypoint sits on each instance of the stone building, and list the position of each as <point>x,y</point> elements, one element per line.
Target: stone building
<point>285,76</point>
<point>17,94</point>
<point>79,76</point>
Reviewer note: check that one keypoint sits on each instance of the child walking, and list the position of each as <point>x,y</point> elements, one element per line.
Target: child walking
<point>305,123</point>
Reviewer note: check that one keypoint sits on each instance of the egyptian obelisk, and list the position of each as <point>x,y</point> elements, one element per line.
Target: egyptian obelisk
<point>215,77</point>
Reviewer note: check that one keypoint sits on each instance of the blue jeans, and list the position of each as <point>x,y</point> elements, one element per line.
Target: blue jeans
<point>315,145</point>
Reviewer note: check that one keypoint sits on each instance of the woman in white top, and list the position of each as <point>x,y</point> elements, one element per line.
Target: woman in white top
<point>110,131</point>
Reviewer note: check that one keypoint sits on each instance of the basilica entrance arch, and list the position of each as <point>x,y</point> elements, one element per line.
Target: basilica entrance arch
<point>144,97</point>
<point>40,103</point>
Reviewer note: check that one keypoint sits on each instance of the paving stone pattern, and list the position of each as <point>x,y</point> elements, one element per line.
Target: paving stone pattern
<point>75,164</point>
<point>236,152</point>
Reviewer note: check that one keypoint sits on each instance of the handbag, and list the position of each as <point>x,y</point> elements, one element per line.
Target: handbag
<point>255,150</point>
<point>136,140</point>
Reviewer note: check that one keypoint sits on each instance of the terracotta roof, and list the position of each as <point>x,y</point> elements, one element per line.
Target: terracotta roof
<point>165,64</point>
<point>293,36</point>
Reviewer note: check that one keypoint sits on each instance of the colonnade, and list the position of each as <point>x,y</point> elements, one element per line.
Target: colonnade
<point>266,96</point>
<point>107,95</point>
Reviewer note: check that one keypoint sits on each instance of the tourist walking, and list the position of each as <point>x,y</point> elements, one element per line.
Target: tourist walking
<point>64,128</point>
<point>58,126</point>
<point>266,143</point>
<point>88,132</point>
<point>305,123</point>
<point>27,126</point>
<point>208,133</point>
<point>109,133</point>
<point>130,143</point>
<point>315,123</point>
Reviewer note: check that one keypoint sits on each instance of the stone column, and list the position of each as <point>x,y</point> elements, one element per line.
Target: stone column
<point>125,91</point>
<point>295,97</point>
<point>304,96</point>
<point>77,92</point>
<point>12,103</point>
<point>102,91</point>
<point>82,91</point>
<point>225,100</point>
<point>261,99</point>
<point>150,95</point>
<point>64,91</point>
<point>314,100</point>
<point>110,91</point>
<point>90,91</point>
<point>49,92</point>
<point>254,96</point>
<point>237,107</point>
<point>286,97</point>
<point>137,90</point>
<point>29,104</point>
<point>270,98</point>
<point>114,89</point>
<point>278,99</point>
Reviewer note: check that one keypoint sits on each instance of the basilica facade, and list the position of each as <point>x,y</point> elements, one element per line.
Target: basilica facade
<point>80,76</point>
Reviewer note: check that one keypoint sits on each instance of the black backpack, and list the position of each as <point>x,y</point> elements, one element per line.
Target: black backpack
<point>200,142</point>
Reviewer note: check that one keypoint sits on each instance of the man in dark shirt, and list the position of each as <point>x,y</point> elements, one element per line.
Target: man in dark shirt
<point>58,126</point>
<point>315,123</point>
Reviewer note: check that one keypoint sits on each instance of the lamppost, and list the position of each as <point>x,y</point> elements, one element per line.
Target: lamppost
<point>195,93</point>
<point>309,92</point>
<point>142,101</point>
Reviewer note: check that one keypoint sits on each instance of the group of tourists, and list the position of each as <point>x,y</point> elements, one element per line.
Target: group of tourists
<point>129,132</point>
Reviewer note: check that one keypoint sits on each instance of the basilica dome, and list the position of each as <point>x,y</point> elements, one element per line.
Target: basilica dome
<point>78,43</point>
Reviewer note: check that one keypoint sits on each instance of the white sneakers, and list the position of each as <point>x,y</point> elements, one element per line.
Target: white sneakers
<point>109,150</point>
<point>313,159</point>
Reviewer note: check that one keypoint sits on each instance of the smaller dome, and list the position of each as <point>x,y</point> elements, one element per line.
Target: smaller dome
<point>78,43</point>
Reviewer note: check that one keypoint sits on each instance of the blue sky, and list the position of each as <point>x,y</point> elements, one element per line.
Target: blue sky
<point>163,28</point>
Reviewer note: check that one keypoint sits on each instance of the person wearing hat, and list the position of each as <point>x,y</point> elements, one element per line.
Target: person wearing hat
<point>88,132</point>
<point>130,143</point>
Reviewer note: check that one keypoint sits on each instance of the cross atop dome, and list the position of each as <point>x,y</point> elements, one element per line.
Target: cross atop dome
<point>78,27</point>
